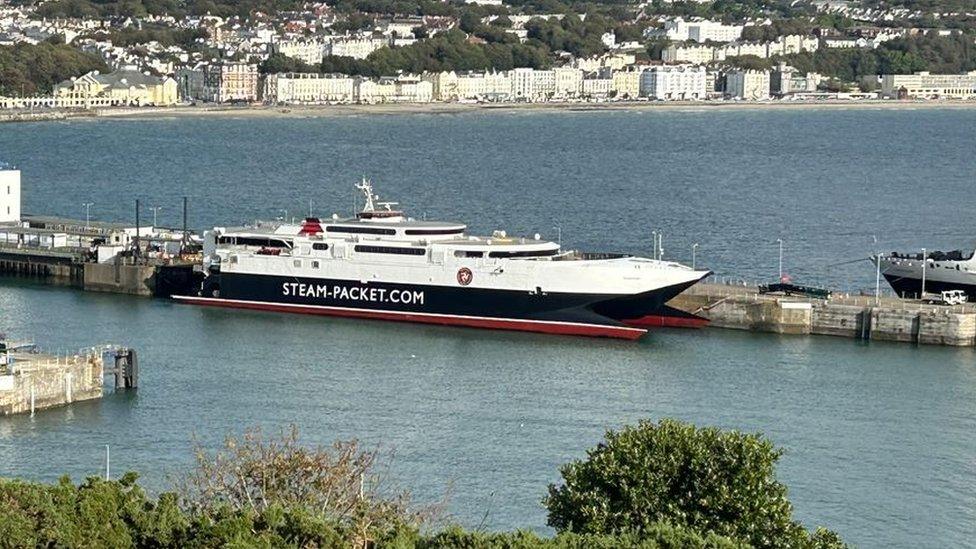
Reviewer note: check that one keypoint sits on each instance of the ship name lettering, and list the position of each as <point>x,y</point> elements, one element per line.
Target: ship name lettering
<point>353,293</point>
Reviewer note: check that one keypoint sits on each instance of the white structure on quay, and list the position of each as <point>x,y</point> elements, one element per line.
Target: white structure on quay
<point>9,194</point>
<point>747,85</point>
<point>671,83</point>
<point>309,88</point>
<point>924,85</point>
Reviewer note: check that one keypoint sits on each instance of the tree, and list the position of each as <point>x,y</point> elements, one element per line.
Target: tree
<point>709,480</point>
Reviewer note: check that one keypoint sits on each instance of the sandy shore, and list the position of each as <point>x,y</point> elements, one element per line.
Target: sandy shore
<point>310,111</point>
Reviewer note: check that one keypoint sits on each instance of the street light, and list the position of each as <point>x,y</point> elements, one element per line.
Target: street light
<point>155,210</point>
<point>559,236</point>
<point>877,280</point>
<point>88,206</point>
<point>925,262</point>
<point>780,240</point>
<point>694,250</point>
<point>654,238</point>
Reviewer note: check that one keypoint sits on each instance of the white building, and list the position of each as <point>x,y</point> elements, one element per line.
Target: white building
<point>543,84</point>
<point>523,84</point>
<point>309,88</point>
<point>627,83</point>
<point>748,85</point>
<point>700,31</point>
<point>683,82</point>
<point>696,55</point>
<point>597,88</point>
<point>926,85</point>
<point>399,89</point>
<point>568,82</point>
<point>357,48</point>
<point>308,51</point>
<point>9,194</point>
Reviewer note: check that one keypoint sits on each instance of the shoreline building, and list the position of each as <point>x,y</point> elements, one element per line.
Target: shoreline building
<point>747,85</point>
<point>394,89</point>
<point>9,194</point>
<point>230,81</point>
<point>309,88</point>
<point>673,83</point>
<point>925,85</point>
<point>124,87</point>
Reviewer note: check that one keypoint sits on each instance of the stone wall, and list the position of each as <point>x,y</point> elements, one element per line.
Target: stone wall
<point>51,381</point>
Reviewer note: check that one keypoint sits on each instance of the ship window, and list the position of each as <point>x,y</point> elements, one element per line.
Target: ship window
<point>315,264</point>
<point>391,250</point>
<point>298,262</point>
<point>431,232</point>
<point>359,230</point>
<point>468,253</point>
<point>255,241</point>
<point>535,253</point>
<point>320,246</point>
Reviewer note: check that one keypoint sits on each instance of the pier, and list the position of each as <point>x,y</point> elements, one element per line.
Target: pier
<point>98,256</point>
<point>31,380</point>
<point>858,317</point>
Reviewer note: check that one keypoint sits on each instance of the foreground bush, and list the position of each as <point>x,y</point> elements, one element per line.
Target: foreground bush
<point>655,486</point>
<point>707,480</point>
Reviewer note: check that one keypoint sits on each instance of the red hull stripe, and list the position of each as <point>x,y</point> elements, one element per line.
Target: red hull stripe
<point>660,321</point>
<point>540,326</point>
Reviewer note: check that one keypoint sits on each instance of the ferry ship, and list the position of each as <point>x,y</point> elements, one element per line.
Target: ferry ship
<point>944,271</point>
<point>382,264</point>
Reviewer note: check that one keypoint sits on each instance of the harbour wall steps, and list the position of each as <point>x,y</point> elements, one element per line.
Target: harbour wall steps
<point>858,317</point>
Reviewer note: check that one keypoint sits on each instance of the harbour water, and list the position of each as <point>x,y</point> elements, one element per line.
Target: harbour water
<point>878,437</point>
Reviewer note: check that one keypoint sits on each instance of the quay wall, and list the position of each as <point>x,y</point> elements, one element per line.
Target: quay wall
<point>887,319</point>
<point>119,278</point>
<point>49,382</point>
<point>52,267</point>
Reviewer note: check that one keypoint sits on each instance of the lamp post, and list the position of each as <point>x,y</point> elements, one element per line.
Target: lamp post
<point>694,253</point>
<point>877,280</point>
<point>559,236</point>
<point>155,210</point>
<point>284,215</point>
<point>925,262</point>
<point>780,241</point>
<point>88,206</point>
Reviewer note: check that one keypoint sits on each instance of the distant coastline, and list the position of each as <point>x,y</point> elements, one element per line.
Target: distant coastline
<point>316,111</point>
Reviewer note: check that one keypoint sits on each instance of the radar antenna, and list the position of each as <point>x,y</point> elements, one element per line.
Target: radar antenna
<point>367,187</point>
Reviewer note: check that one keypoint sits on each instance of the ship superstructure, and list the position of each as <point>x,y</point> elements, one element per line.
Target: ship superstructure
<point>382,264</point>
<point>941,271</point>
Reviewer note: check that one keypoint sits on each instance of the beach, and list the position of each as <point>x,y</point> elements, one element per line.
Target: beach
<point>315,111</point>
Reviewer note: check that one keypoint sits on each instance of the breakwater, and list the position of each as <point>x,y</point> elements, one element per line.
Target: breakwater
<point>858,317</point>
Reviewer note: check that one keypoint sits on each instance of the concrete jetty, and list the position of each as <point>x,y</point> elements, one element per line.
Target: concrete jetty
<point>31,380</point>
<point>858,317</point>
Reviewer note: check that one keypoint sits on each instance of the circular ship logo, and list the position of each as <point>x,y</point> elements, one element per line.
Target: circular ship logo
<point>465,276</point>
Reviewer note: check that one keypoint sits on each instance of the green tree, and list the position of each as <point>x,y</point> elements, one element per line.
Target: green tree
<point>708,480</point>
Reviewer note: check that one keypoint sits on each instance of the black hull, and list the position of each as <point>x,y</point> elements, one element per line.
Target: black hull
<point>912,287</point>
<point>575,313</point>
